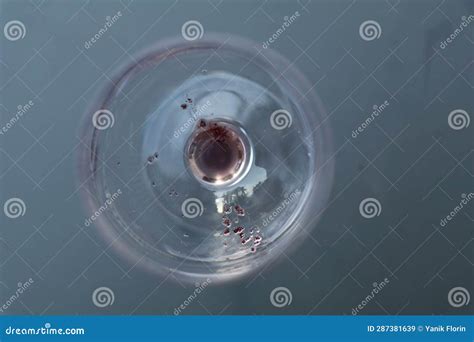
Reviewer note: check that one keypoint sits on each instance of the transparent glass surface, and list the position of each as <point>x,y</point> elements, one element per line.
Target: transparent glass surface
<point>191,207</point>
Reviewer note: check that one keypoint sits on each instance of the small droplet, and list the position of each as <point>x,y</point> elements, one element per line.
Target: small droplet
<point>226,222</point>
<point>239,230</point>
<point>226,232</point>
<point>202,123</point>
<point>245,240</point>
<point>239,210</point>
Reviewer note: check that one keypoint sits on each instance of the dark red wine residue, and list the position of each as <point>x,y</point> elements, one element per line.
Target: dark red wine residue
<point>240,231</point>
<point>216,152</point>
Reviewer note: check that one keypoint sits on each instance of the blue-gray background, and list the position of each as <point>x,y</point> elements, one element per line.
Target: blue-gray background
<point>410,159</point>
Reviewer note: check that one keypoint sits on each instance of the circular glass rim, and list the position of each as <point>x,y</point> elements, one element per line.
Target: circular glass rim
<point>315,194</point>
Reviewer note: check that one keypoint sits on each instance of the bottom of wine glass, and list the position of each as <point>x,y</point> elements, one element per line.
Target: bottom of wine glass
<point>218,153</point>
